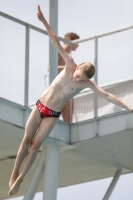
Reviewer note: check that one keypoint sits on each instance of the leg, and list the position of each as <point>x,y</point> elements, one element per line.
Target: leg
<point>66,112</point>
<point>32,125</point>
<point>46,127</point>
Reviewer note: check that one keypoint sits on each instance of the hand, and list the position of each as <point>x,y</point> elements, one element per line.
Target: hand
<point>39,14</point>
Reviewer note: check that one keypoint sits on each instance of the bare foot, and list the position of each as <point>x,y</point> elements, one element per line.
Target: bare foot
<point>15,187</point>
<point>13,178</point>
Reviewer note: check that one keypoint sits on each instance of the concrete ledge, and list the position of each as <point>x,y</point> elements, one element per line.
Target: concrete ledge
<point>64,132</point>
<point>13,113</point>
<point>17,115</point>
<point>105,125</point>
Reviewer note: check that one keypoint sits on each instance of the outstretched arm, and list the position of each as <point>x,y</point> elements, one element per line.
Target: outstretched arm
<point>55,41</point>
<point>108,96</point>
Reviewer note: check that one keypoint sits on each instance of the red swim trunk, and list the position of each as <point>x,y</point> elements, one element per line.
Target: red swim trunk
<point>45,111</point>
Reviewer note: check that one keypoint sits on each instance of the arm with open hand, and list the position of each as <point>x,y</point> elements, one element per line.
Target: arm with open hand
<point>55,41</point>
<point>108,96</point>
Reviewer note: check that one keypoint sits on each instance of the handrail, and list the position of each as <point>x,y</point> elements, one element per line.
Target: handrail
<point>102,34</point>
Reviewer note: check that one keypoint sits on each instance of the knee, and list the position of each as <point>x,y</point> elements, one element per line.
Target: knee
<point>35,146</point>
<point>26,141</point>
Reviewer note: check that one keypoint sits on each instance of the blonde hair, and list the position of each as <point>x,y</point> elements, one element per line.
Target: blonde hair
<point>88,69</point>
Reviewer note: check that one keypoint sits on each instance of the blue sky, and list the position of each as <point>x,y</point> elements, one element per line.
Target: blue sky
<point>86,18</point>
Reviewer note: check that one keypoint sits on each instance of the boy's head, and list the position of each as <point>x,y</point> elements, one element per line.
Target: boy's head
<point>72,36</point>
<point>88,69</point>
<point>84,72</point>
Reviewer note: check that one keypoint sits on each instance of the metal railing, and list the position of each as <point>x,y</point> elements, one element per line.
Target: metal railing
<point>112,55</point>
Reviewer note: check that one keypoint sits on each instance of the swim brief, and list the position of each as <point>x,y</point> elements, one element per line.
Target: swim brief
<point>45,111</point>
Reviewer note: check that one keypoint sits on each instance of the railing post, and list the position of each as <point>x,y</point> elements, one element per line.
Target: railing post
<point>53,56</point>
<point>26,85</point>
<point>71,100</point>
<point>96,81</point>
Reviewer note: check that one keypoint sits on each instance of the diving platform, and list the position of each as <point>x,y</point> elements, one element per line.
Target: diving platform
<point>89,150</point>
<point>99,142</point>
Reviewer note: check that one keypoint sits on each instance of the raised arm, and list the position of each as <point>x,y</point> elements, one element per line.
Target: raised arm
<point>108,96</point>
<point>55,41</point>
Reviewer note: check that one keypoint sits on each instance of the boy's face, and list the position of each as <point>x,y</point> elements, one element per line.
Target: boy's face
<point>79,76</point>
<point>75,46</point>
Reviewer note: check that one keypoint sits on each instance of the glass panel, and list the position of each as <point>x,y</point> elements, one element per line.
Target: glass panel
<point>39,61</point>
<point>12,60</point>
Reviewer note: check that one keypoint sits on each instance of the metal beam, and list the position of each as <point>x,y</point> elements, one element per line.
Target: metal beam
<point>113,183</point>
<point>51,171</point>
